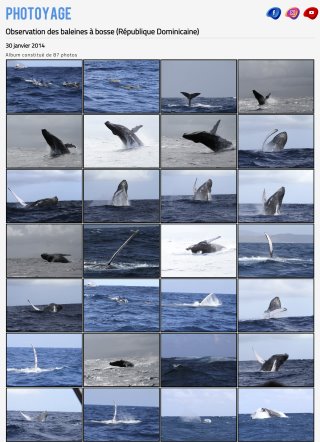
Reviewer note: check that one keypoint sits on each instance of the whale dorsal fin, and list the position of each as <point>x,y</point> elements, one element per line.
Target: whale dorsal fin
<point>258,357</point>
<point>20,200</point>
<point>136,128</point>
<point>215,127</point>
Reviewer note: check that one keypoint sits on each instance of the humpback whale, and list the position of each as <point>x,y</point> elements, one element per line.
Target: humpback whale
<point>45,202</point>
<point>261,99</point>
<point>55,257</point>
<point>72,84</point>
<point>57,146</point>
<point>209,139</point>
<point>190,96</point>
<point>203,193</point>
<point>270,245</point>
<point>127,136</point>
<point>206,421</point>
<point>266,413</point>
<point>273,363</point>
<point>275,306</point>
<point>277,143</point>
<point>122,246</point>
<point>205,246</point>
<point>48,308</point>
<point>120,197</point>
<point>273,204</point>
<point>121,363</point>
<point>39,418</point>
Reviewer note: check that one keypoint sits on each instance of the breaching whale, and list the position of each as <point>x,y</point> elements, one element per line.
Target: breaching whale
<point>45,202</point>
<point>277,143</point>
<point>266,413</point>
<point>127,136</point>
<point>209,139</point>
<point>55,257</point>
<point>39,418</point>
<point>120,197</point>
<point>205,246</point>
<point>261,99</point>
<point>275,307</point>
<point>56,145</point>
<point>273,363</point>
<point>203,193</point>
<point>48,308</point>
<point>272,205</point>
<point>122,246</point>
<point>270,245</point>
<point>190,96</point>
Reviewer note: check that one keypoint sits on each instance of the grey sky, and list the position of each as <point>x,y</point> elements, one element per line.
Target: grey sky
<point>41,399</point>
<point>214,78</point>
<point>57,340</point>
<point>124,282</point>
<point>29,241</point>
<point>298,185</point>
<point>255,295</point>
<point>31,185</point>
<point>199,285</point>
<point>198,345</point>
<point>46,63</point>
<point>139,397</point>
<point>256,232</point>
<point>253,129</point>
<point>101,184</point>
<point>99,346</point>
<point>297,346</point>
<point>44,291</point>
<point>283,78</point>
<point>198,402</point>
<point>180,182</point>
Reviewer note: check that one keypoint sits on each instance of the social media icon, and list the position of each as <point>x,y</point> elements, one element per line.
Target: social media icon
<point>274,13</point>
<point>293,13</point>
<point>311,13</point>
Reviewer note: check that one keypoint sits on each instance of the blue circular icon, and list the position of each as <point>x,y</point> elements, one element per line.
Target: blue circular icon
<point>274,13</point>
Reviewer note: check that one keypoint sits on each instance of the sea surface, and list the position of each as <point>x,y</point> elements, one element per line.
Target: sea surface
<point>287,158</point>
<point>298,427</point>
<point>198,372</point>
<point>182,312</point>
<point>139,258</point>
<point>132,423</point>
<point>290,324</point>
<point>121,86</point>
<point>147,211</point>
<point>201,105</point>
<point>24,318</point>
<point>277,105</point>
<point>41,90</point>
<point>194,428</point>
<point>102,311</point>
<point>33,267</point>
<point>63,212</point>
<point>183,208</point>
<point>289,213</point>
<point>57,427</point>
<point>56,366</point>
<point>293,373</point>
<point>289,260</point>
<point>99,372</point>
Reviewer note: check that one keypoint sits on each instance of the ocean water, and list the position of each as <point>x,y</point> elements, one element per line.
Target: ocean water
<point>199,372</point>
<point>121,86</point>
<point>183,208</point>
<point>289,213</point>
<point>194,428</point>
<point>56,367</point>
<point>27,157</point>
<point>290,324</point>
<point>201,105</point>
<point>139,211</point>
<point>289,260</point>
<point>102,312</point>
<point>181,312</point>
<point>132,423</point>
<point>298,427</point>
<point>47,96</point>
<point>63,212</point>
<point>287,158</point>
<point>33,267</point>
<point>25,319</point>
<point>139,258</point>
<point>293,373</point>
<point>277,105</point>
<point>57,427</point>
<point>145,372</point>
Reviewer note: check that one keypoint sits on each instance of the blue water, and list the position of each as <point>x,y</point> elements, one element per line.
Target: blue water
<point>63,212</point>
<point>298,427</point>
<point>25,319</point>
<point>201,105</point>
<point>184,428</point>
<point>179,314</point>
<point>289,213</point>
<point>183,208</point>
<point>293,373</point>
<point>57,427</point>
<point>198,372</point>
<point>133,423</point>
<point>139,211</point>
<point>291,324</point>
<point>59,366</point>
<point>139,258</point>
<point>287,158</point>
<point>289,260</point>
<point>102,313</point>
<point>121,86</point>
<point>24,96</point>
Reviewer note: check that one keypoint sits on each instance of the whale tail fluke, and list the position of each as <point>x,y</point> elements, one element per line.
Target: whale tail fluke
<point>136,128</point>
<point>20,200</point>
<point>261,99</point>
<point>190,96</point>
<point>215,128</point>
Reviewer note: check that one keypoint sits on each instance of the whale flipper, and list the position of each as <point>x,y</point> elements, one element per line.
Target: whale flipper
<point>270,245</point>
<point>114,419</point>
<point>35,308</point>
<point>35,358</point>
<point>277,144</point>
<point>215,128</point>
<point>205,246</point>
<point>136,128</point>
<point>190,96</point>
<point>122,246</point>
<point>258,357</point>
<point>261,99</point>
<point>210,300</point>
<point>26,416</point>
<point>20,200</point>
